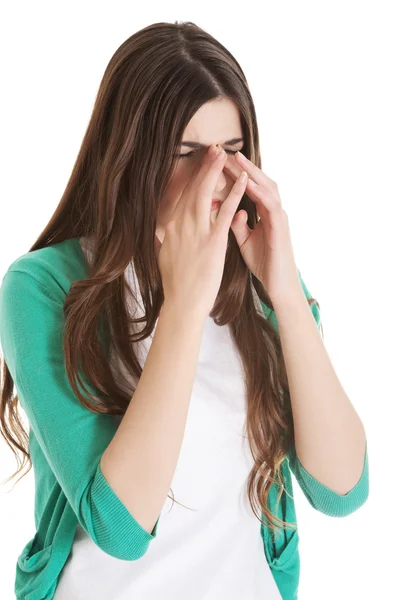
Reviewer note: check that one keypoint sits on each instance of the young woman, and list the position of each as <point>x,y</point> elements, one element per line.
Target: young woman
<point>141,334</point>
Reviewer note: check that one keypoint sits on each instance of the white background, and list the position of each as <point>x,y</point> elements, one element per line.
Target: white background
<point>325,81</point>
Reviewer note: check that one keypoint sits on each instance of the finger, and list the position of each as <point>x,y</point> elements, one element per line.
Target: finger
<point>180,206</point>
<point>188,195</point>
<point>229,206</point>
<point>240,228</point>
<point>202,203</point>
<point>256,174</point>
<point>260,194</point>
<point>233,169</point>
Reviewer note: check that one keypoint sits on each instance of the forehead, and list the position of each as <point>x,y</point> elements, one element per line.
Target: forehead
<point>215,122</point>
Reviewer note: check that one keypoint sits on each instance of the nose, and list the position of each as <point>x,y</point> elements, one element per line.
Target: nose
<point>223,187</point>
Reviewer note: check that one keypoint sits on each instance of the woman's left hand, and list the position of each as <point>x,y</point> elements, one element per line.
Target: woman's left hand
<point>267,249</point>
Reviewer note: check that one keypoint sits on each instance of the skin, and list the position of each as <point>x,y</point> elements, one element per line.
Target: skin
<point>214,123</point>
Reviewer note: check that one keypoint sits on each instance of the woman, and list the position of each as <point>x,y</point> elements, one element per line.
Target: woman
<point>142,288</point>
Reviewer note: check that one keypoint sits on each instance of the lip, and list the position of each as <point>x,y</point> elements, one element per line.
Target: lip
<point>215,204</point>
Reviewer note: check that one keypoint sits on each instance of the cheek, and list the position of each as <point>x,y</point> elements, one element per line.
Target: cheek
<point>176,185</point>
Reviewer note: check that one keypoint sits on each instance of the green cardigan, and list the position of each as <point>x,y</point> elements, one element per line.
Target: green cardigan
<point>67,440</point>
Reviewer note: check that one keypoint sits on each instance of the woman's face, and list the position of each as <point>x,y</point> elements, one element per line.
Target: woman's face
<point>216,122</point>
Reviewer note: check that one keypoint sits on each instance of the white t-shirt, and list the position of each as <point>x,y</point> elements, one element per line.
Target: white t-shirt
<point>215,550</point>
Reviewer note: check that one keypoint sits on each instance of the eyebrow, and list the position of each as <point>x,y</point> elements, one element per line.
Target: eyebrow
<point>198,145</point>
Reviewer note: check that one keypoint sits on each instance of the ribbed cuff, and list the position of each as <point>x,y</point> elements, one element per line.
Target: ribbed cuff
<point>327,501</point>
<point>114,529</point>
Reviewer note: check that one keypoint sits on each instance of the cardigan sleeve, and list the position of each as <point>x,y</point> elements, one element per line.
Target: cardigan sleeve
<point>321,497</point>
<point>325,500</point>
<point>71,437</point>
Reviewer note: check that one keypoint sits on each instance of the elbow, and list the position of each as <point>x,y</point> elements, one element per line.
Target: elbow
<point>110,524</point>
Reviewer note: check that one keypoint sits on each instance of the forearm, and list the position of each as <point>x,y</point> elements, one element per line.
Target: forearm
<point>141,459</point>
<point>330,439</point>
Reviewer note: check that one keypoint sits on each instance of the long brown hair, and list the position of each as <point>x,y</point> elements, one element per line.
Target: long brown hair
<point>153,85</point>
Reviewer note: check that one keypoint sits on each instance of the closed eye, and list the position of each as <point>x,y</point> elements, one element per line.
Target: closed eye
<point>189,154</point>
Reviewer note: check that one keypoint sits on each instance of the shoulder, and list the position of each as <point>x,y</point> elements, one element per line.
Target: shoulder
<point>54,268</point>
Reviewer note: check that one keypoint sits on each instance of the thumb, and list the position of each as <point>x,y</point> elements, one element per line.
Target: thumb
<point>240,228</point>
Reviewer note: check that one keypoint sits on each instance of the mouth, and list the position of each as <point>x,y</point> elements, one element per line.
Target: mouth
<point>216,204</point>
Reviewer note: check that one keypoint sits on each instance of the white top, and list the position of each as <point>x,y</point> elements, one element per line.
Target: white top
<point>214,551</point>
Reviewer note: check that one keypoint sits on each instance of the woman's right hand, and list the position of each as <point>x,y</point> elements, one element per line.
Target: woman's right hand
<point>192,255</point>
